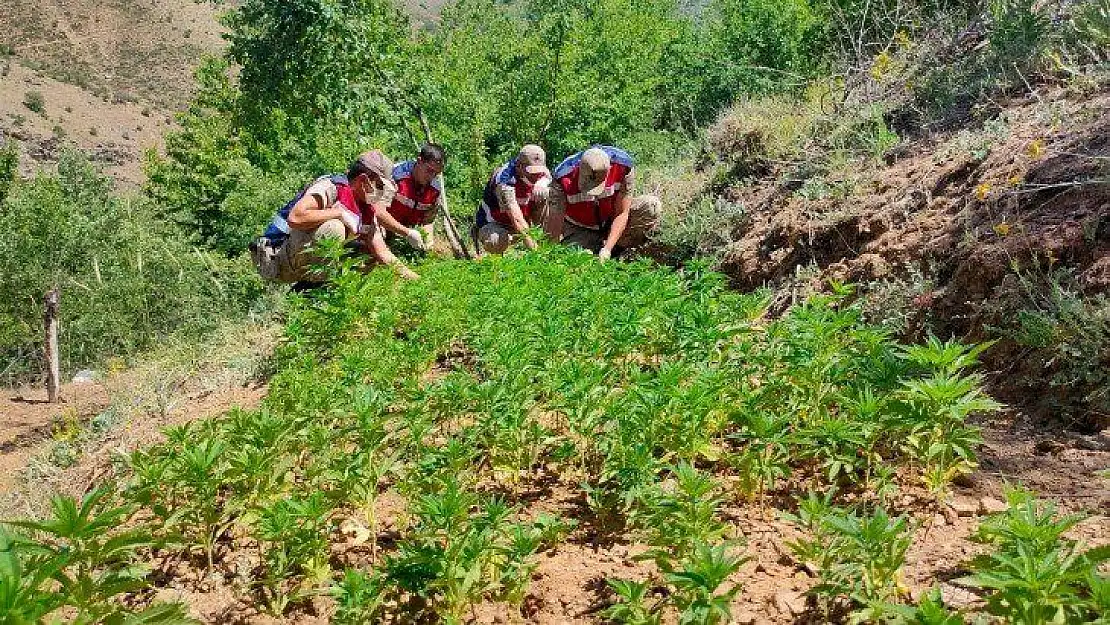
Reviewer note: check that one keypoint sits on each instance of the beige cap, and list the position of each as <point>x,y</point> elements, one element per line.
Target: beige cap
<point>592,171</point>
<point>532,159</point>
<point>375,162</point>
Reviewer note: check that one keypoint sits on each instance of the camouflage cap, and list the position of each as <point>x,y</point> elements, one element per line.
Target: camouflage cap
<point>592,171</point>
<point>374,161</point>
<point>532,159</point>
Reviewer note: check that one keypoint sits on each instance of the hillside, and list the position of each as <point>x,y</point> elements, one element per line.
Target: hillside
<point>857,372</point>
<point>991,231</point>
<point>111,74</point>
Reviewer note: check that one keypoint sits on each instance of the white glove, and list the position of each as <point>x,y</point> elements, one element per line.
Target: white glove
<point>352,221</point>
<point>414,238</point>
<point>604,254</point>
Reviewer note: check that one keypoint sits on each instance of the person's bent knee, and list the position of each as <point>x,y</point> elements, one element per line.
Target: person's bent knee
<point>330,229</point>
<point>494,240</point>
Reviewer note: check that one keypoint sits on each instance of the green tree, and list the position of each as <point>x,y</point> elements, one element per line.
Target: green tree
<point>205,162</point>
<point>9,164</point>
<point>318,72</point>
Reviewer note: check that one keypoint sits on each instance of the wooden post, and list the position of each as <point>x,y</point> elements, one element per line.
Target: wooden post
<point>50,322</point>
<point>454,237</point>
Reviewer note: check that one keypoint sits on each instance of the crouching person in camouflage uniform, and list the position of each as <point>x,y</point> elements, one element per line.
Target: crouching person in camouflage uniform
<point>514,199</point>
<point>592,204</point>
<point>340,207</point>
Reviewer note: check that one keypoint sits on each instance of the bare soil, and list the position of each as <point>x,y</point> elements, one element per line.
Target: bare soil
<point>135,405</point>
<point>125,50</point>
<point>28,429</point>
<point>569,582</point>
<point>113,135</point>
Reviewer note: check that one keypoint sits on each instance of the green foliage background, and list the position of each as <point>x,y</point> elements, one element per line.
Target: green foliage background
<point>128,275</point>
<point>317,81</point>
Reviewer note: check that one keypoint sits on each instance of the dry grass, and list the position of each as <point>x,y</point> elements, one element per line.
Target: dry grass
<point>775,127</point>
<point>179,381</point>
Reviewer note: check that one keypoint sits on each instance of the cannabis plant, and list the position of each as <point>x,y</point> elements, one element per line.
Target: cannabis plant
<point>859,557</point>
<point>1037,576</point>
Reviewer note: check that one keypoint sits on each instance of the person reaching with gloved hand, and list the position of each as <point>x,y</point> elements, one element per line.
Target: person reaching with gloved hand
<point>514,199</point>
<point>341,207</point>
<point>592,206</point>
<point>419,197</point>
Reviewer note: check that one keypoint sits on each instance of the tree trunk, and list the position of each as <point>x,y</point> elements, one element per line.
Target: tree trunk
<point>53,367</point>
<point>454,238</point>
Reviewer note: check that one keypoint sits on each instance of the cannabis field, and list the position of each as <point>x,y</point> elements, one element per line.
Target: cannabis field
<point>424,444</point>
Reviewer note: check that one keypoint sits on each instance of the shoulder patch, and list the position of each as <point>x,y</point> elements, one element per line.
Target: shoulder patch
<point>506,174</point>
<point>403,170</point>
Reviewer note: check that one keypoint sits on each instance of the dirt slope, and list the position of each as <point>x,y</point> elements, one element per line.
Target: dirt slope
<point>113,135</point>
<point>71,446</point>
<point>945,201</point>
<point>952,216</point>
<point>110,75</point>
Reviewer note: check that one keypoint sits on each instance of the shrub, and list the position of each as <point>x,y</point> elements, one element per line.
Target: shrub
<point>35,101</point>
<point>1045,310</point>
<point>702,229</point>
<point>770,127</point>
<point>962,60</point>
<point>1091,26</point>
<point>9,166</point>
<point>244,213</point>
<point>809,127</point>
<point>1018,33</point>
<point>128,277</point>
<point>765,37</point>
